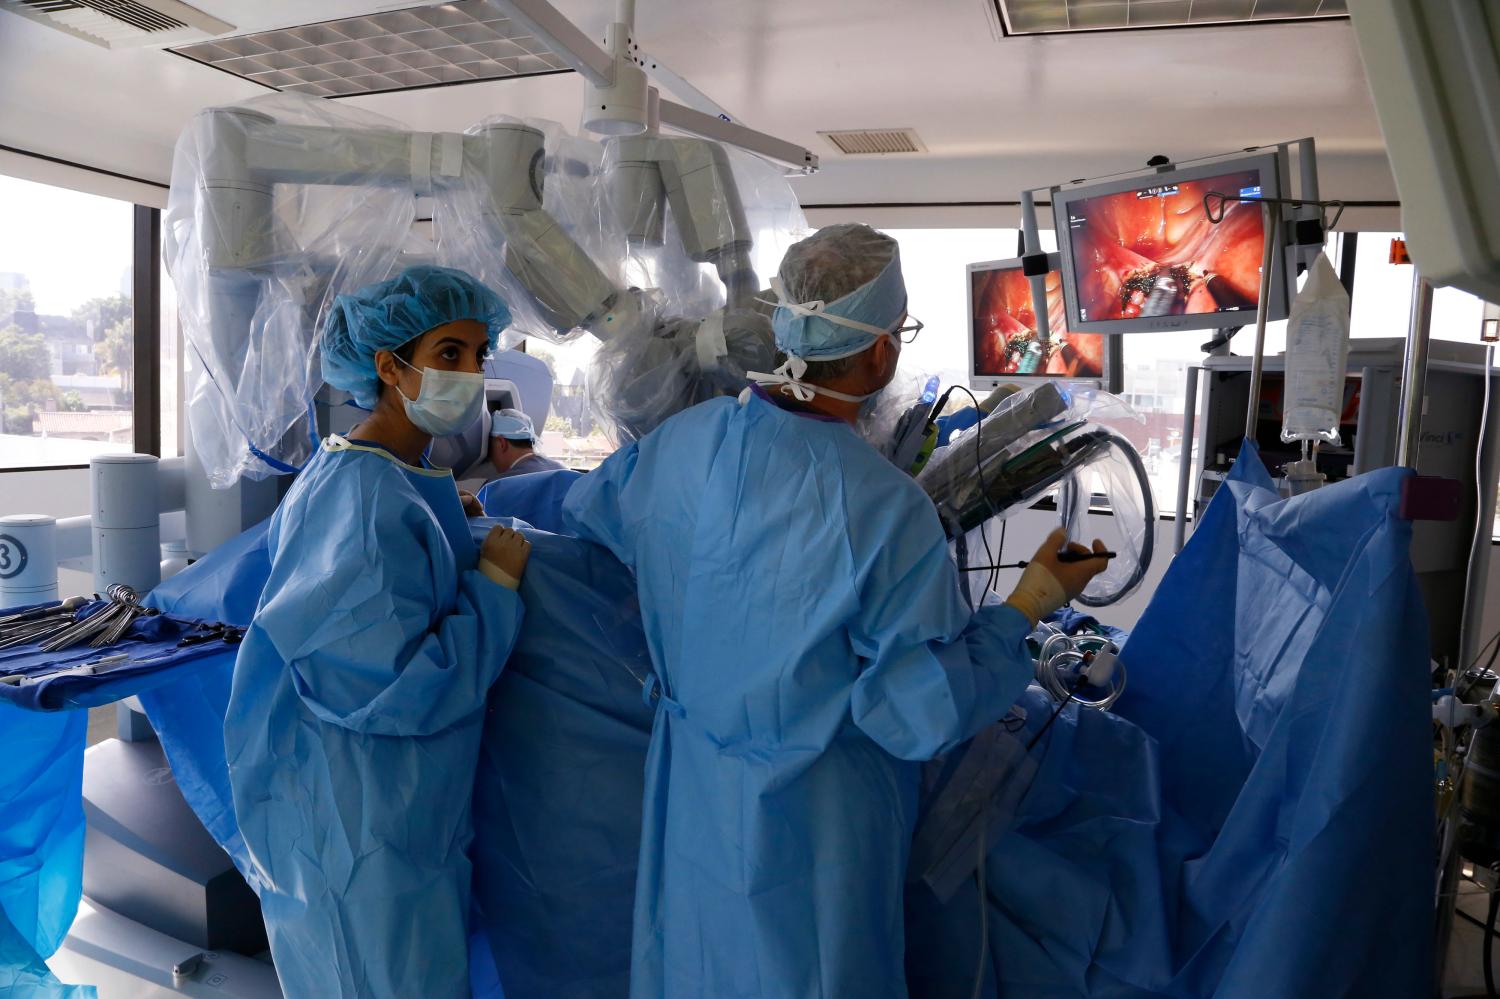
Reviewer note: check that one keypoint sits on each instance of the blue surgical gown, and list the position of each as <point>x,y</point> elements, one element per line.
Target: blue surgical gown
<point>808,640</point>
<point>353,727</point>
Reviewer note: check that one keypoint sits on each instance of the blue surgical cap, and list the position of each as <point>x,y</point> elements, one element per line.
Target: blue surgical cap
<point>387,314</point>
<point>815,282</point>
<point>513,425</point>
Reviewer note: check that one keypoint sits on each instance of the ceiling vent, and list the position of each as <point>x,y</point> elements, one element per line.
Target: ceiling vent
<point>875,141</point>
<point>120,24</point>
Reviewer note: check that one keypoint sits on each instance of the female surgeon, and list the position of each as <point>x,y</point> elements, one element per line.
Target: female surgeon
<point>354,718</point>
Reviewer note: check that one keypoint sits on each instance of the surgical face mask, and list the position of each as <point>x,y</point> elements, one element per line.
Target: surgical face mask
<point>448,402</point>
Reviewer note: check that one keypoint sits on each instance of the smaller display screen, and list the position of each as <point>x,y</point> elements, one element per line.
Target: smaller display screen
<point>1152,252</point>
<point>1004,329</point>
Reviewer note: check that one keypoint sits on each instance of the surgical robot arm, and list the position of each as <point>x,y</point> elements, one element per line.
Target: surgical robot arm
<point>497,172</point>
<point>250,153</point>
<point>693,176</point>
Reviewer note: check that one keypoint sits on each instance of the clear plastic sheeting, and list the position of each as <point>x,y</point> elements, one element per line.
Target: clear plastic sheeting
<point>1035,442</point>
<point>522,217</point>
<point>661,365</point>
<point>702,223</point>
<point>282,203</point>
<point>260,237</point>
<point>881,419</point>
<point>1115,479</point>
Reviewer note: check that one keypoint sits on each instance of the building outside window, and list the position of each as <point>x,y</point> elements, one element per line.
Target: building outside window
<point>67,342</point>
<point>572,435</point>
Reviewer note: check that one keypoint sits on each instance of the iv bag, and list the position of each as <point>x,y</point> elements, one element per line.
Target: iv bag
<point>1317,350</point>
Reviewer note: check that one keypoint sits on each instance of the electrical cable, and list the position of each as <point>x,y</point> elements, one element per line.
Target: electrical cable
<point>1038,737</point>
<point>1489,949</point>
<point>995,576</point>
<point>984,915</point>
<point>1072,492</point>
<point>1481,531</point>
<point>1461,691</point>
<point>979,470</point>
<point>1064,655</point>
<point>1476,922</point>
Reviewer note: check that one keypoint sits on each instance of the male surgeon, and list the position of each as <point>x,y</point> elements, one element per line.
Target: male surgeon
<point>810,646</point>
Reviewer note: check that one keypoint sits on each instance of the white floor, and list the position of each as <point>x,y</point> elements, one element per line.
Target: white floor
<point>1463,975</point>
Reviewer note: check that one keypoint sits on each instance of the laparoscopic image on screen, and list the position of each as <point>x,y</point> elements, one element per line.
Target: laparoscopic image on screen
<point>1152,252</point>
<point>1004,330</point>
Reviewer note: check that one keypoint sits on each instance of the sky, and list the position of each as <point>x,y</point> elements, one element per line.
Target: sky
<point>72,246</point>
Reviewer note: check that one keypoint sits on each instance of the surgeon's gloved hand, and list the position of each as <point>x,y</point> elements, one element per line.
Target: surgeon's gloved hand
<point>1047,583</point>
<point>471,503</point>
<point>503,556</point>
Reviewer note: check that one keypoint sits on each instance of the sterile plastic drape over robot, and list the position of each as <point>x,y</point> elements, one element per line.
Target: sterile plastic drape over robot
<point>650,243</point>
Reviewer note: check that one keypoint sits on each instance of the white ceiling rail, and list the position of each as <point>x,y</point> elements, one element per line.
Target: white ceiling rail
<point>607,72</point>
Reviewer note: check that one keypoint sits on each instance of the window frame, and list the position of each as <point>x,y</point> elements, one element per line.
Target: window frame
<point>145,308</point>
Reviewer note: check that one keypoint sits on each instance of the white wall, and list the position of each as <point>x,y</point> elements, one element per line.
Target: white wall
<point>60,493</point>
<point>1491,617</point>
<point>1027,531</point>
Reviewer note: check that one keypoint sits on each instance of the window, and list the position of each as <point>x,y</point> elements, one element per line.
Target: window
<point>1382,297</point>
<point>170,367</point>
<point>66,325</point>
<point>572,435</point>
<point>933,262</point>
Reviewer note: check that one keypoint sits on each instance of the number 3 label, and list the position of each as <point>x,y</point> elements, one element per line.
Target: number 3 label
<point>12,557</point>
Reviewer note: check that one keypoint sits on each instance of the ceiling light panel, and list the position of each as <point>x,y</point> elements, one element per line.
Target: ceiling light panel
<point>457,42</point>
<point>1034,17</point>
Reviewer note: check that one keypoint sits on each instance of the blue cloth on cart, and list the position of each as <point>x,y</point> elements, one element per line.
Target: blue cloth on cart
<point>151,644</point>
<point>24,975</point>
<point>535,498</point>
<point>41,812</point>
<point>1216,835</point>
<point>41,845</point>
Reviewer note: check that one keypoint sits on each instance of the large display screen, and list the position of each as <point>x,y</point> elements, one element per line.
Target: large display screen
<point>1147,257</point>
<point>1003,326</point>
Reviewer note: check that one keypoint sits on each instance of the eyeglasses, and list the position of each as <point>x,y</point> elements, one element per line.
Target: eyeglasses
<point>908,333</point>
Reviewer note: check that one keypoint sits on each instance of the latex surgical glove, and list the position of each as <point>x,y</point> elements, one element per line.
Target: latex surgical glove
<point>471,503</point>
<point>1047,583</point>
<point>503,556</point>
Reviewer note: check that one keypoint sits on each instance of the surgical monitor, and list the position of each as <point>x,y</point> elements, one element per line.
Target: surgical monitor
<point>1002,336</point>
<point>1140,255</point>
